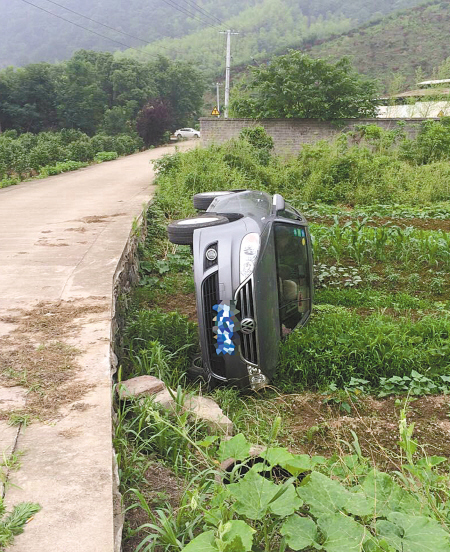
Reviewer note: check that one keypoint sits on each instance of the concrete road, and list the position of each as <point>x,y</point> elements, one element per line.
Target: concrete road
<point>61,239</point>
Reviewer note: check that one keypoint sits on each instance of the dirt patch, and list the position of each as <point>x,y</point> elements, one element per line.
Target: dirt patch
<point>44,242</point>
<point>99,218</point>
<point>36,356</point>
<point>79,229</point>
<point>316,428</point>
<point>161,487</point>
<point>182,303</point>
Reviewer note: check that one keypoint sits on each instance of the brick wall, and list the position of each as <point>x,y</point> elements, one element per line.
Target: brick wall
<point>290,134</point>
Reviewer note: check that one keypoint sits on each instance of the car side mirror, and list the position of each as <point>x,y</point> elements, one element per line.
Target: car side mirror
<point>278,203</point>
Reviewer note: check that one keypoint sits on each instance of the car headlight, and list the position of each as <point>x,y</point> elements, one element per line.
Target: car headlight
<point>249,252</point>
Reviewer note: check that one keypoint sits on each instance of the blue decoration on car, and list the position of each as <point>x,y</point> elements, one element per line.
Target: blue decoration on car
<point>226,327</point>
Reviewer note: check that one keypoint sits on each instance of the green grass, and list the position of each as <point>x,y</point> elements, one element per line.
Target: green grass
<point>339,344</point>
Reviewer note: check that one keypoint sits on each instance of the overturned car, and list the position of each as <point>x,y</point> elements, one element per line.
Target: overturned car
<point>253,280</point>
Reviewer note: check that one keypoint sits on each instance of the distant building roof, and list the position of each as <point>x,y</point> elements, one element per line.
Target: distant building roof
<point>441,81</point>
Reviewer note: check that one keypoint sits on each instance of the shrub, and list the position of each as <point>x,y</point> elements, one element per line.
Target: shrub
<point>126,144</point>
<point>102,142</point>
<point>80,150</point>
<point>105,156</point>
<point>66,166</point>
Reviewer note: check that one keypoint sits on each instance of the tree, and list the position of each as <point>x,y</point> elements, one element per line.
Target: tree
<point>154,119</point>
<point>296,85</point>
<point>182,85</point>
<point>81,100</point>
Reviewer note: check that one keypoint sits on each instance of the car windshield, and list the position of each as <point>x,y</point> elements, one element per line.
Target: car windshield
<point>293,275</point>
<point>254,204</point>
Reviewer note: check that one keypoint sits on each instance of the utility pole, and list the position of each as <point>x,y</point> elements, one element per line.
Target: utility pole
<point>227,71</point>
<point>218,96</point>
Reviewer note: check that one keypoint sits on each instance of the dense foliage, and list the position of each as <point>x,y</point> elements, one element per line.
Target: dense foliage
<point>94,92</point>
<point>296,85</point>
<point>48,153</point>
<point>362,167</point>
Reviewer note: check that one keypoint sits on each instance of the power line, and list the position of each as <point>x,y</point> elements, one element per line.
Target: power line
<point>108,27</point>
<point>203,11</point>
<point>89,30</point>
<point>186,12</point>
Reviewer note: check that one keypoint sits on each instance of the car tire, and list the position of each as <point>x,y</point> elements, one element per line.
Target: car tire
<point>196,135</point>
<point>181,231</point>
<point>179,137</point>
<point>203,200</point>
<point>196,371</point>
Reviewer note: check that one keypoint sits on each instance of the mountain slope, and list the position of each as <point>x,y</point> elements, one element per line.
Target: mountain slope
<point>29,34</point>
<point>401,48</point>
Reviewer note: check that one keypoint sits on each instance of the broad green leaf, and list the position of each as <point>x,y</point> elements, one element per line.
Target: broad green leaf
<point>421,534</point>
<point>300,532</point>
<point>238,535</point>
<point>322,494</point>
<point>203,543</point>
<point>387,496</point>
<point>431,461</point>
<point>342,533</point>
<point>373,544</point>
<point>207,441</point>
<point>215,514</point>
<point>357,504</point>
<point>390,533</point>
<point>277,456</point>
<point>326,496</point>
<point>237,447</point>
<point>253,494</point>
<point>287,503</point>
<point>317,460</point>
<point>297,464</point>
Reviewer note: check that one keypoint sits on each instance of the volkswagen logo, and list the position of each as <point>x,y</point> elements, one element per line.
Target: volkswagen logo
<point>248,325</point>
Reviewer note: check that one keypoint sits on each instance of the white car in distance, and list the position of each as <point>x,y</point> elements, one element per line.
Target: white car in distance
<point>187,133</point>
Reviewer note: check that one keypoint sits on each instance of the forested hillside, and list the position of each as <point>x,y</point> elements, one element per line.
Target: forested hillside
<point>30,34</point>
<point>398,50</point>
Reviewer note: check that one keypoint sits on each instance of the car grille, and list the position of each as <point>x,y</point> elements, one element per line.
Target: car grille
<point>210,297</point>
<point>245,306</point>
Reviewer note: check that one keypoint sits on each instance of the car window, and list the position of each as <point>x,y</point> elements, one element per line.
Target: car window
<point>293,275</point>
<point>289,213</point>
<point>254,204</point>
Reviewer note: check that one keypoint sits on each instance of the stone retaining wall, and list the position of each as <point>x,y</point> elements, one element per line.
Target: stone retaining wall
<point>125,277</point>
<point>289,135</point>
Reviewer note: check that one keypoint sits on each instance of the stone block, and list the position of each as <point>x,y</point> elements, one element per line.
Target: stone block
<point>210,412</point>
<point>165,399</point>
<point>140,386</point>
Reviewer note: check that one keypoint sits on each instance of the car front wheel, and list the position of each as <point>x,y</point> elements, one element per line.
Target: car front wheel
<point>179,136</point>
<point>181,231</point>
